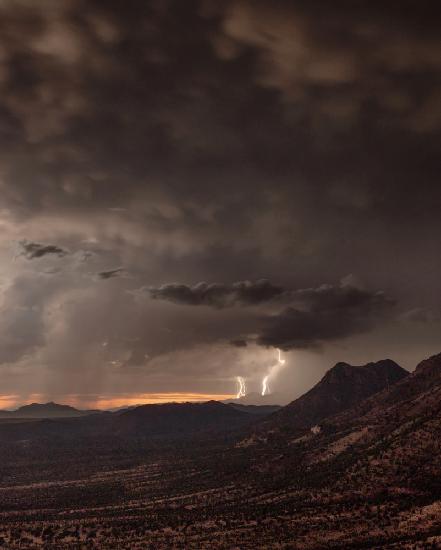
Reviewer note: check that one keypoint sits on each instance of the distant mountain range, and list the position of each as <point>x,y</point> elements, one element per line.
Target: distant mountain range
<point>254,398</point>
<point>342,387</point>
<point>45,410</point>
<point>259,410</point>
<point>173,420</point>
<point>55,410</point>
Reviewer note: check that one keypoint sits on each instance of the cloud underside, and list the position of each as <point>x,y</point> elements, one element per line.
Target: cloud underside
<point>218,295</point>
<point>73,139</point>
<point>31,250</point>
<point>328,313</point>
<point>296,141</point>
<point>309,316</point>
<point>112,273</point>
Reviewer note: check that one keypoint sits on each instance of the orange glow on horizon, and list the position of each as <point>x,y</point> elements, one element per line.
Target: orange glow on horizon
<point>156,398</point>
<point>111,401</point>
<point>7,401</point>
<point>12,401</point>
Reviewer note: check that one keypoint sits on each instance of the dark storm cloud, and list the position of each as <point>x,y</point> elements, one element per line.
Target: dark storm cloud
<point>112,273</point>
<point>32,250</point>
<point>328,313</point>
<point>189,72</point>
<point>309,316</point>
<point>218,295</point>
<point>216,141</point>
<point>339,49</point>
<point>344,297</point>
<point>273,128</point>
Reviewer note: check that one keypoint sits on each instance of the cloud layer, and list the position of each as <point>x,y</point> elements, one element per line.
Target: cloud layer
<point>218,295</point>
<point>37,250</point>
<point>244,140</point>
<point>327,313</point>
<point>112,273</point>
<point>308,318</point>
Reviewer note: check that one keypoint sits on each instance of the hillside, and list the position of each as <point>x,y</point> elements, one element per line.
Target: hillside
<point>397,430</point>
<point>342,387</point>
<point>367,477</point>
<point>373,471</point>
<point>258,400</point>
<point>258,410</point>
<point>170,420</point>
<point>178,419</point>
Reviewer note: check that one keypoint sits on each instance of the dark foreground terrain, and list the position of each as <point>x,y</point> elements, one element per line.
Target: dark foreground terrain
<point>363,474</point>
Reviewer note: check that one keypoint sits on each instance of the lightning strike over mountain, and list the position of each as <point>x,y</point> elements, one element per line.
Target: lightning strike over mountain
<point>242,391</point>
<point>272,371</point>
<point>279,359</point>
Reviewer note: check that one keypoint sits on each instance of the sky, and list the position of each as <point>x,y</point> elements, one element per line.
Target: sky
<point>187,187</point>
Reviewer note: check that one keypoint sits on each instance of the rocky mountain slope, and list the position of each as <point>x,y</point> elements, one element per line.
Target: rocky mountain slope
<point>393,437</point>
<point>342,387</point>
<point>391,440</point>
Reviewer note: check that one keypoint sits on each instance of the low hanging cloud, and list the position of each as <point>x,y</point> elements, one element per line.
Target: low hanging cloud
<point>33,250</point>
<point>218,295</point>
<point>306,318</point>
<point>112,274</point>
<point>326,313</point>
<point>346,296</point>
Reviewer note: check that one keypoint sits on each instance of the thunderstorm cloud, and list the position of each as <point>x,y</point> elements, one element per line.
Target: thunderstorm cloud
<point>308,316</point>
<point>218,295</point>
<point>277,144</point>
<point>327,313</point>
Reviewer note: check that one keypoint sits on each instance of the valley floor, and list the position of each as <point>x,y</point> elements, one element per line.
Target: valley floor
<point>163,501</point>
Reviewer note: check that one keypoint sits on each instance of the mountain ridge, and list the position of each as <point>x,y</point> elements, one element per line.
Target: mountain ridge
<point>174,418</point>
<point>340,388</point>
<point>46,410</point>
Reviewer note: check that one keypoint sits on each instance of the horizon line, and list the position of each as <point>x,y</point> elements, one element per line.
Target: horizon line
<point>100,402</point>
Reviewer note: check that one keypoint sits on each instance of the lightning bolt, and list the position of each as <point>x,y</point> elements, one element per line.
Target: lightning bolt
<point>280,363</point>
<point>279,359</point>
<point>242,391</point>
